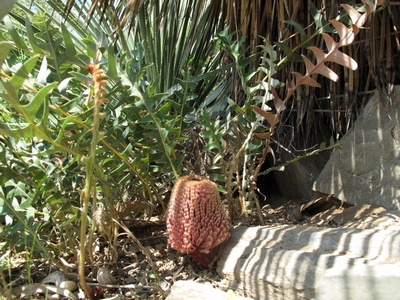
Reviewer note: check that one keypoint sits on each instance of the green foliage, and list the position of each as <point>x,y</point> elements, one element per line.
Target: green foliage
<point>50,149</point>
<point>240,155</point>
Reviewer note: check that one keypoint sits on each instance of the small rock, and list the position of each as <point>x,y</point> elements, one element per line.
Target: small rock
<point>55,278</point>
<point>69,285</point>
<point>116,297</point>
<point>143,264</point>
<point>131,279</point>
<point>104,276</point>
<point>160,246</point>
<point>131,267</point>
<point>165,285</point>
<point>133,248</point>
<point>157,254</point>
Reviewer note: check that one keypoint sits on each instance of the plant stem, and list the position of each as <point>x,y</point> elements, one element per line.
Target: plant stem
<point>90,161</point>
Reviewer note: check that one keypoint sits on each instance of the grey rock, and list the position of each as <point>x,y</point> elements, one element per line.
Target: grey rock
<point>361,282</point>
<point>367,168</point>
<point>190,290</point>
<point>55,278</point>
<point>289,262</point>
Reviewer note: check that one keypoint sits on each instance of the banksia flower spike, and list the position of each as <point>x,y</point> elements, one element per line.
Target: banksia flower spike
<point>196,221</point>
<point>98,82</point>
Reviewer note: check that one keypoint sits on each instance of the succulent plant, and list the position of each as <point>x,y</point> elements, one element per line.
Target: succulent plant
<point>196,220</point>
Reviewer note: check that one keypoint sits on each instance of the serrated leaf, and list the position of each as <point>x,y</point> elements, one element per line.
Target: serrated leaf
<point>177,162</point>
<point>300,79</point>
<point>356,18</point>
<point>346,34</point>
<point>112,65</point>
<point>62,87</point>
<point>268,47</point>
<point>320,21</point>
<point>252,146</point>
<point>279,104</point>
<point>332,141</point>
<point>43,72</point>
<point>91,47</point>
<point>19,42</point>
<point>290,55</point>
<point>211,146</point>
<point>271,118</point>
<point>79,76</point>
<point>30,111</point>
<point>33,107</point>
<point>14,230</point>
<point>146,103</point>
<point>145,119</point>
<point>263,135</point>
<point>33,40</point>
<point>68,42</point>
<point>319,68</point>
<point>333,54</point>
<point>248,76</point>
<point>5,48</point>
<point>22,74</point>
<point>6,175</point>
<point>303,35</point>
<point>22,132</point>
<point>216,161</point>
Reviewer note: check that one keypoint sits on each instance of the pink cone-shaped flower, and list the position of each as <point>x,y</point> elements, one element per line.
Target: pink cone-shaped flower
<point>196,221</point>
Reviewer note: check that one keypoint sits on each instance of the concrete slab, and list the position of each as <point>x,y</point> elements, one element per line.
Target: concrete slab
<point>288,262</point>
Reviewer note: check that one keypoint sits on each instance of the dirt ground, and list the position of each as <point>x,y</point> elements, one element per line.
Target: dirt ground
<point>149,272</point>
